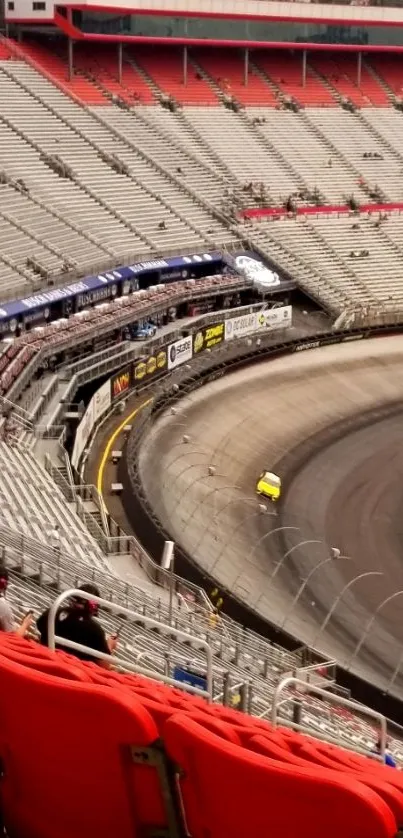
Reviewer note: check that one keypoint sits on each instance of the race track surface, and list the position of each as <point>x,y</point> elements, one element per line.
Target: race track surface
<point>330,420</point>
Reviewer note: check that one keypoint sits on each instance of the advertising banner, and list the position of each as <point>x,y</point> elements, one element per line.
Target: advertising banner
<point>120,383</point>
<point>208,337</point>
<point>278,318</point>
<point>102,400</point>
<point>267,320</point>
<point>151,366</point>
<point>83,434</point>
<point>180,352</point>
<point>186,676</point>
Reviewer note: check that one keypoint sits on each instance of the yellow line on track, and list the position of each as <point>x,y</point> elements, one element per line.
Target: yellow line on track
<point>111,440</point>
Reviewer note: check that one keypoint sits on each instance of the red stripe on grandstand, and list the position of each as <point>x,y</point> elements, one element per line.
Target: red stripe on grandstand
<point>279,212</point>
<point>198,42</point>
<point>233,16</point>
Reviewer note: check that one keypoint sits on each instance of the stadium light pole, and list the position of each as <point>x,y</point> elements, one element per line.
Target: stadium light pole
<point>217,513</point>
<point>262,510</point>
<point>370,623</point>
<point>183,471</point>
<point>305,582</point>
<point>280,564</point>
<point>266,535</point>
<point>208,494</point>
<point>340,597</point>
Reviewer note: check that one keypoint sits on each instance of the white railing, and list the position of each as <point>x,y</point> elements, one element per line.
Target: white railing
<point>54,639</point>
<point>302,687</point>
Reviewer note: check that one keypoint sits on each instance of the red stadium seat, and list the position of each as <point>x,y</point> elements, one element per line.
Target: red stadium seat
<point>67,746</point>
<point>246,794</point>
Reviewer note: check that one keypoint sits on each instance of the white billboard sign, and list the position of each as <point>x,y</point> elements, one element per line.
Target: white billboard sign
<point>180,352</point>
<point>99,404</point>
<point>102,400</point>
<point>83,434</point>
<point>278,318</point>
<point>267,320</point>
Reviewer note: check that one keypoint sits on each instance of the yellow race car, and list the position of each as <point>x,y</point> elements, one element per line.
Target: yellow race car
<point>269,485</point>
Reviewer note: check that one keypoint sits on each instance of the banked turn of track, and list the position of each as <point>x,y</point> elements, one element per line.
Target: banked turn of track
<point>330,420</point>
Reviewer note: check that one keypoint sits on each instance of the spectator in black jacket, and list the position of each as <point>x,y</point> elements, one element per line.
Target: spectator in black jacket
<point>77,621</point>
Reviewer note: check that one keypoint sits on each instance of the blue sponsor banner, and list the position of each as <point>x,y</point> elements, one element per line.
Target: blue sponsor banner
<point>90,288</point>
<point>186,676</point>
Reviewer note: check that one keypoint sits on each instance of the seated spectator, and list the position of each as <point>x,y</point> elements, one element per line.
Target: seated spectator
<point>6,614</point>
<point>388,757</point>
<point>76,621</point>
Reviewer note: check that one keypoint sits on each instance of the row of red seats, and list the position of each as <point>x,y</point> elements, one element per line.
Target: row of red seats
<point>86,751</point>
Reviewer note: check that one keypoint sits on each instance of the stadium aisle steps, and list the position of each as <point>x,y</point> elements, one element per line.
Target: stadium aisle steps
<point>370,87</point>
<point>102,64</point>
<point>252,779</point>
<point>390,71</point>
<point>226,70</point>
<point>56,67</point>
<point>340,74</point>
<point>165,68</point>
<point>285,72</point>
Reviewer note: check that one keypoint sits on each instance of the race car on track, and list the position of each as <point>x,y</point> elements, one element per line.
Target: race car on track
<point>269,485</point>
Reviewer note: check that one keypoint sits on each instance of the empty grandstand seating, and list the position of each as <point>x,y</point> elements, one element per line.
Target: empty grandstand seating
<point>226,72</point>
<point>165,69</point>
<point>97,731</point>
<point>284,72</point>
<point>101,65</point>
<point>56,67</point>
<point>35,511</point>
<point>388,69</point>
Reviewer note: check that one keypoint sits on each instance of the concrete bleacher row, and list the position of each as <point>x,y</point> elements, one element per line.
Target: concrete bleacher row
<point>179,165</point>
<point>372,281</point>
<point>176,171</point>
<point>64,201</point>
<point>215,771</point>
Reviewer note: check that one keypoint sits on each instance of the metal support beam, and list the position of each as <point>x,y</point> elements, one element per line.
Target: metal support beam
<point>185,65</point>
<point>359,68</point>
<point>246,68</point>
<point>71,59</point>
<point>304,68</point>
<point>120,62</point>
<point>70,47</point>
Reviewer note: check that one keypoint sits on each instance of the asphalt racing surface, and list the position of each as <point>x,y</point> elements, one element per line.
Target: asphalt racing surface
<point>330,422</point>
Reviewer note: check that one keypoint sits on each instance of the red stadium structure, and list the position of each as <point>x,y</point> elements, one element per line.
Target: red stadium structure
<point>313,53</point>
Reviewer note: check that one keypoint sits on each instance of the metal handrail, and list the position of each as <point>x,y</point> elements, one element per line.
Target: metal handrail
<point>135,615</point>
<point>336,699</point>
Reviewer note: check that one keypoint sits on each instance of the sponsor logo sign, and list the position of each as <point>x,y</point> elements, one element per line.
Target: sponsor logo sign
<point>253,269</point>
<point>208,337</point>
<point>120,383</point>
<point>267,320</point>
<point>313,344</point>
<point>102,400</point>
<point>151,366</point>
<point>180,352</point>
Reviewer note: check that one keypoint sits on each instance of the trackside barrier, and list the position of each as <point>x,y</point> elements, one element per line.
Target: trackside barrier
<point>148,621</point>
<point>302,687</point>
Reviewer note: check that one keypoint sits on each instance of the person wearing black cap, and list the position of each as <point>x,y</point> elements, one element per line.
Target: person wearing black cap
<point>6,615</point>
<point>76,621</point>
